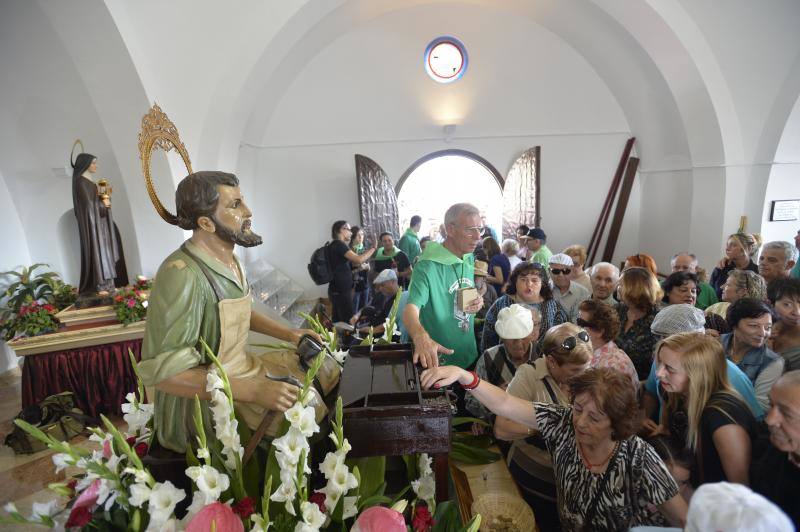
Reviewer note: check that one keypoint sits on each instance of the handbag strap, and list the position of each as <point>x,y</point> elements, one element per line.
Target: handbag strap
<point>596,499</point>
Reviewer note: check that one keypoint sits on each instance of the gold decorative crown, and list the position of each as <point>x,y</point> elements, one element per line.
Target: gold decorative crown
<point>158,131</point>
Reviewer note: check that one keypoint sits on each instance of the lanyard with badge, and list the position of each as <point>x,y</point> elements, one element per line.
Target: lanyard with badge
<point>464,296</point>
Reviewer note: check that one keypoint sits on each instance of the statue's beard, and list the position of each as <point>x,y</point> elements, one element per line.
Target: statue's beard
<point>243,237</point>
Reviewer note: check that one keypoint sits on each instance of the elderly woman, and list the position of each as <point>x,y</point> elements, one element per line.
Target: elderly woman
<point>579,254</point>
<point>640,294</point>
<point>740,251</point>
<point>746,346</point>
<point>601,321</point>
<point>680,287</point>
<point>528,286</point>
<point>607,478</point>
<point>702,410</point>
<point>518,328</point>
<point>544,381</point>
<point>740,284</point>
<point>510,249</point>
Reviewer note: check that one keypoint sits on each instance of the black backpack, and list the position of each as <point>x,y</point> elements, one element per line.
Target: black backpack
<point>319,268</point>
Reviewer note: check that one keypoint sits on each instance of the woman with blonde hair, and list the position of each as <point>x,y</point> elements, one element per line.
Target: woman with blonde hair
<point>740,253</point>
<point>702,410</point>
<point>640,295</point>
<point>579,254</point>
<point>544,381</point>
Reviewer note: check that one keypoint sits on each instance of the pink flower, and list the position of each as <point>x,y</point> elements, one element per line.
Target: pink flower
<point>81,514</point>
<point>379,519</point>
<point>131,303</point>
<point>220,514</point>
<point>107,449</point>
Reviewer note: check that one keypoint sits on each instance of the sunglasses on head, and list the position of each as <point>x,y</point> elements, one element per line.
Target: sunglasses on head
<point>559,271</point>
<point>571,342</point>
<point>580,322</point>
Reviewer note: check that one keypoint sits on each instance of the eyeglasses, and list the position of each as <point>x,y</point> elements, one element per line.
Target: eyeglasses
<point>571,342</point>
<point>580,322</point>
<point>559,271</point>
<point>476,230</point>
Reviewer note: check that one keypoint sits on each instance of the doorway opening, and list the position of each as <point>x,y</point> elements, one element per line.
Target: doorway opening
<point>440,179</point>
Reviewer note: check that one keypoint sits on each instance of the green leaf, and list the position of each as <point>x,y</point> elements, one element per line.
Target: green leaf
<point>375,500</point>
<point>465,419</point>
<point>373,472</point>
<point>446,517</point>
<point>471,455</point>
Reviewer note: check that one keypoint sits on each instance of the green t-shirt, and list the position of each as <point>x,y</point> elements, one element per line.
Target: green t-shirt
<point>409,244</point>
<point>434,283</point>
<point>706,296</point>
<point>542,256</point>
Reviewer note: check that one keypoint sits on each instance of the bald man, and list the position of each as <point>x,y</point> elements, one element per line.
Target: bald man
<point>776,475</point>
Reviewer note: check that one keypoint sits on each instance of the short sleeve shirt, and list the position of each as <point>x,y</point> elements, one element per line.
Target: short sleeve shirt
<point>342,273</point>
<point>726,410</point>
<point>638,478</point>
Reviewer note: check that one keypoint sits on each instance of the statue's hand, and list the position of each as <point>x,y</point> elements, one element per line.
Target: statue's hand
<point>274,395</point>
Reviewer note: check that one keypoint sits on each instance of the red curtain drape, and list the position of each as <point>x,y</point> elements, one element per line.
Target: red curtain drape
<point>100,376</point>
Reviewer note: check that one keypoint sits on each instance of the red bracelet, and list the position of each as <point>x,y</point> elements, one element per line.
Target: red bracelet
<point>475,382</point>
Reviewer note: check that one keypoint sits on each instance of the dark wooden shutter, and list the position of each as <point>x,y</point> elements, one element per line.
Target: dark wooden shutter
<point>377,202</point>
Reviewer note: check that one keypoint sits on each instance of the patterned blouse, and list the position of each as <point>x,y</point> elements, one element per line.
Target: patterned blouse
<point>637,342</point>
<point>638,479</point>
<point>551,310</point>
<point>611,356</point>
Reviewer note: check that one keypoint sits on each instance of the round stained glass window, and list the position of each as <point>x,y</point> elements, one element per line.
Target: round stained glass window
<point>445,59</point>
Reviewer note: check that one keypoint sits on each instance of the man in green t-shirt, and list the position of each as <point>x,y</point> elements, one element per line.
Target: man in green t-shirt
<point>536,243</point>
<point>434,321</point>
<point>409,242</point>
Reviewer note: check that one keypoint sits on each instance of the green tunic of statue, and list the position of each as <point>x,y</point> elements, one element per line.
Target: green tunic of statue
<point>181,310</point>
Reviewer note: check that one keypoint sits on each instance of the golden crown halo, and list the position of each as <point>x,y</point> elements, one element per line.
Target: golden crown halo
<point>158,131</point>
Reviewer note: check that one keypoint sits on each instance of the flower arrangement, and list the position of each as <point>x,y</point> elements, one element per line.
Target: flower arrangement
<point>116,490</point>
<point>142,283</point>
<point>32,319</point>
<point>130,305</point>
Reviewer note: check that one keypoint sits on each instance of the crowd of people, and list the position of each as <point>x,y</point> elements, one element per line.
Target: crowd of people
<point>619,392</point>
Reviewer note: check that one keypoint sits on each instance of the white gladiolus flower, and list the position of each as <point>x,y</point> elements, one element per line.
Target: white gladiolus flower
<point>388,330</point>
<point>259,525</point>
<point>285,493</point>
<point>10,508</point>
<point>425,462</point>
<point>425,488</point>
<point>43,509</point>
<point>209,481</point>
<point>339,356</point>
<point>203,454</point>
<point>292,444</point>
<point>214,381</point>
<point>198,502</point>
<point>62,461</point>
<point>349,508</point>
<point>140,494</point>
<point>312,516</point>
<point>330,463</point>
<point>400,506</point>
<point>162,501</point>
<point>303,419</point>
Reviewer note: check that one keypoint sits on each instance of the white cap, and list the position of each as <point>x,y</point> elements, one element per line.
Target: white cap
<point>385,275</point>
<point>562,259</point>
<point>514,322</point>
<point>733,508</point>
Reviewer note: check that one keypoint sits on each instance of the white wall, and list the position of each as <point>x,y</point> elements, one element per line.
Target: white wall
<point>784,180</point>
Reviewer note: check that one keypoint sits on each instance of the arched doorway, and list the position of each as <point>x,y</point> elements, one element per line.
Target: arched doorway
<point>440,179</point>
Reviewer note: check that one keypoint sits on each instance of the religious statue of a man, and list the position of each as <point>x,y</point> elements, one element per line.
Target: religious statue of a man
<point>102,260</point>
<point>201,292</point>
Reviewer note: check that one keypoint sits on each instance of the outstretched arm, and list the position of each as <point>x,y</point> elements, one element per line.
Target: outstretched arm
<point>492,397</point>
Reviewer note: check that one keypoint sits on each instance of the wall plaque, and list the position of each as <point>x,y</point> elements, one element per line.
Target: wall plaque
<point>784,210</point>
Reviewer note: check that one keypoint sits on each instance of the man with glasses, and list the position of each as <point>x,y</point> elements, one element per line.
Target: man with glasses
<point>568,293</point>
<point>442,279</point>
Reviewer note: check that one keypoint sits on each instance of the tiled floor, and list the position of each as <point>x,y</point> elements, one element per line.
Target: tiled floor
<point>24,477</point>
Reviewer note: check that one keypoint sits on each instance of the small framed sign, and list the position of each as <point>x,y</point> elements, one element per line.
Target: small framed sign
<point>784,210</point>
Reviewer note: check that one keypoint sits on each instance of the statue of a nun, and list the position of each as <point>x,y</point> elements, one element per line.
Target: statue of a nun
<point>102,261</point>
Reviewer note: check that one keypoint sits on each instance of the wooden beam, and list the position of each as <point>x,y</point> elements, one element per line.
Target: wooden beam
<point>600,226</point>
<point>622,204</point>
